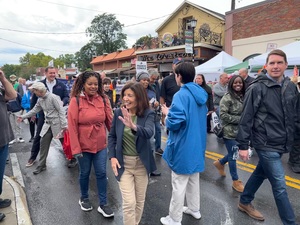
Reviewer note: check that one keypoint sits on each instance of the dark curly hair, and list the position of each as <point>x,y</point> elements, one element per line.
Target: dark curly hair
<point>231,91</point>
<point>81,80</point>
<point>140,95</point>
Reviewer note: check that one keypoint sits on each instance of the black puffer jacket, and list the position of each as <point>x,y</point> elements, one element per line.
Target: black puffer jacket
<point>269,115</point>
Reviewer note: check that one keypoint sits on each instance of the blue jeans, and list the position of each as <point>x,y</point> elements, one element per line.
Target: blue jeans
<point>229,143</point>
<point>157,135</point>
<point>85,164</point>
<point>270,167</point>
<point>3,157</point>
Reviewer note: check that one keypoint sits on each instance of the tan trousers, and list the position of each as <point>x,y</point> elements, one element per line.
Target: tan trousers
<point>187,186</point>
<point>133,186</point>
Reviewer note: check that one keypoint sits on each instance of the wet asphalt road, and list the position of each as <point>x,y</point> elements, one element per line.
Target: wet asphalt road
<point>53,195</point>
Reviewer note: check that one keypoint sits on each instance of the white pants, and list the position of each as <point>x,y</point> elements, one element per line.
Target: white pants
<point>187,186</point>
<point>15,125</point>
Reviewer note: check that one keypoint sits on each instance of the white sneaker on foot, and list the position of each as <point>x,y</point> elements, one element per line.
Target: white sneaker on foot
<point>195,214</point>
<point>11,142</point>
<point>20,140</point>
<point>169,221</point>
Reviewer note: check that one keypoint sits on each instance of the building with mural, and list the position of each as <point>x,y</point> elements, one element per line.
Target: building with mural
<point>170,43</point>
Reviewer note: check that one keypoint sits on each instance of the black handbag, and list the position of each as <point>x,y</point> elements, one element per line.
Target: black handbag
<point>218,130</point>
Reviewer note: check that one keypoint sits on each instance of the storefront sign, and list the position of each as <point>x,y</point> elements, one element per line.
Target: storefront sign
<point>163,56</point>
<point>188,41</point>
<point>126,64</point>
<point>141,66</point>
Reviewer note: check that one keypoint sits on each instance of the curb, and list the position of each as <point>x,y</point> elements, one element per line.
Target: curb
<point>23,216</point>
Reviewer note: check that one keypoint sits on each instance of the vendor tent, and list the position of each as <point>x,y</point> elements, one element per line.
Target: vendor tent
<point>291,50</point>
<point>236,67</point>
<point>217,64</point>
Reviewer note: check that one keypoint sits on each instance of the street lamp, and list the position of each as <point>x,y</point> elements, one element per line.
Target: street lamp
<point>193,24</point>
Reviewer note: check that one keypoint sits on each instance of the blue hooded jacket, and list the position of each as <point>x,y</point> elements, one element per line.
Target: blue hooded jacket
<point>186,122</point>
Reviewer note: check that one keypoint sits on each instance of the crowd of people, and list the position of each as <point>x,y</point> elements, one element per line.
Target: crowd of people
<point>261,113</point>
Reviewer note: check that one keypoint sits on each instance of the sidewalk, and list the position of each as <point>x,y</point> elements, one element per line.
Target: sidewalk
<point>17,213</point>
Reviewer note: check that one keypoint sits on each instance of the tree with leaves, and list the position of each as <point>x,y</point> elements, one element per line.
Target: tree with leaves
<point>145,41</point>
<point>67,59</point>
<point>106,37</point>
<point>106,31</point>
<point>85,56</point>
<point>10,69</point>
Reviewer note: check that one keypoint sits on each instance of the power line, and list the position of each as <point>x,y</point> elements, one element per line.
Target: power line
<point>146,21</point>
<point>79,32</point>
<point>35,46</point>
<point>76,7</point>
<point>37,32</point>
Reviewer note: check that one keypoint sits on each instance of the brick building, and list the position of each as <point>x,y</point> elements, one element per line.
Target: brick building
<point>261,27</point>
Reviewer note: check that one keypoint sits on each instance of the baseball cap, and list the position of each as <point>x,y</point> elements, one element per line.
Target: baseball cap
<point>38,86</point>
<point>13,77</point>
<point>176,61</point>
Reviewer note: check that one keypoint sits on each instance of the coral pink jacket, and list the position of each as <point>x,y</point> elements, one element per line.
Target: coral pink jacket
<point>87,123</point>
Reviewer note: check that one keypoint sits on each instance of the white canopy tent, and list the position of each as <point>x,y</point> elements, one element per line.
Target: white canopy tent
<point>217,64</point>
<point>291,50</point>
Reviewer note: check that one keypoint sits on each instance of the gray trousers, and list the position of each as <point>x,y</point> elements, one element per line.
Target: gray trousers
<point>45,146</point>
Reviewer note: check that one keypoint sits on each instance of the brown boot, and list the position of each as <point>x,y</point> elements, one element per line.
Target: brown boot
<point>251,211</point>
<point>238,186</point>
<point>220,167</point>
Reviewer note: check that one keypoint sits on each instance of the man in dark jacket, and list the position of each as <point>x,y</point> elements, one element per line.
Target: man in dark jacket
<point>154,76</point>
<point>268,120</point>
<point>55,87</point>
<point>244,74</point>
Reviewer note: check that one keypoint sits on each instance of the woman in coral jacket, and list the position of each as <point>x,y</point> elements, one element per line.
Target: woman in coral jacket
<point>89,116</point>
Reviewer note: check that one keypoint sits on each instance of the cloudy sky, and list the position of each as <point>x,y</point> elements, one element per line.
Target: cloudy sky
<point>57,27</point>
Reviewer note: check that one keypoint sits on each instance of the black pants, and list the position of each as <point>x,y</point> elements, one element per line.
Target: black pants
<point>208,118</point>
<point>35,149</point>
<point>294,159</point>
<point>32,126</point>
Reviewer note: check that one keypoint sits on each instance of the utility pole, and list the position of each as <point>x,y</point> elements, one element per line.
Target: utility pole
<point>233,4</point>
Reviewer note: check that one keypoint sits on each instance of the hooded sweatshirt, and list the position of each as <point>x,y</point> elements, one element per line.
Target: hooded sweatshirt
<point>186,122</point>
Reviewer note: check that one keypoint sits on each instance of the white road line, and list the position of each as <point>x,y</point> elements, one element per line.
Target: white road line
<point>16,169</point>
<point>228,218</point>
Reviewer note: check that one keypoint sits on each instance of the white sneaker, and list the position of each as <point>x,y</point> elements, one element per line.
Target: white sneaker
<point>169,221</point>
<point>20,140</point>
<point>13,141</point>
<point>195,214</point>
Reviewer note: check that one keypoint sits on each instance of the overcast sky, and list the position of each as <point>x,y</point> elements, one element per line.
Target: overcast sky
<point>57,27</point>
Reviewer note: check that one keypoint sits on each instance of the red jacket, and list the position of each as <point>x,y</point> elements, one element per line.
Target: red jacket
<point>87,123</point>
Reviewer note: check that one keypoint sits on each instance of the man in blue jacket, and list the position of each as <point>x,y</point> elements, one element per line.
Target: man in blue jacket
<point>56,87</point>
<point>185,151</point>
